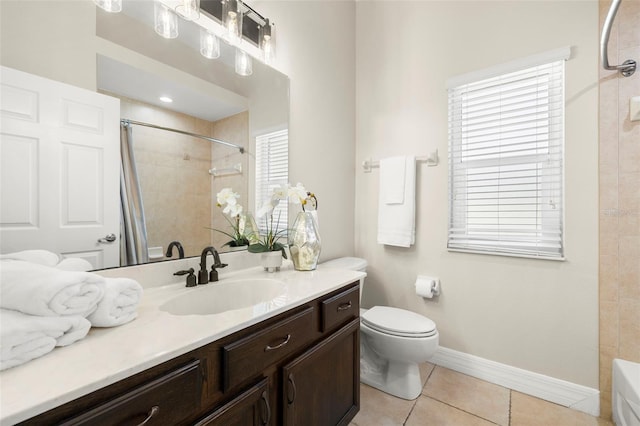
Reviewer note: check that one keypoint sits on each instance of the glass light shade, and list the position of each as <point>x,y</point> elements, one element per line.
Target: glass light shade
<point>244,64</point>
<point>232,21</point>
<point>166,21</point>
<point>209,44</point>
<point>189,9</point>
<point>268,42</point>
<point>113,6</point>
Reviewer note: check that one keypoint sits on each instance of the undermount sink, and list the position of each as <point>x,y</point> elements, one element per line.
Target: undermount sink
<point>262,294</point>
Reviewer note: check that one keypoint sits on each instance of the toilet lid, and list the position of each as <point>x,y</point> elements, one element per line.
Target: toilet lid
<point>398,322</point>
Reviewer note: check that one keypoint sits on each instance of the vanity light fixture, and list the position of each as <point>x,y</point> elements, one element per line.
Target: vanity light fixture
<point>189,9</point>
<point>209,44</point>
<point>113,6</point>
<point>166,99</point>
<point>244,63</point>
<point>166,21</point>
<point>232,21</point>
<point>267,42</point>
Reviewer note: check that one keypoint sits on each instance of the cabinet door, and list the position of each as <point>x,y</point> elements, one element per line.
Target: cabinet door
<point>322,386</point>
<point>251,407</point>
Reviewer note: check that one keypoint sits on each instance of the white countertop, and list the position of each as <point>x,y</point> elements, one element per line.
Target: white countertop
<point>108,355</point>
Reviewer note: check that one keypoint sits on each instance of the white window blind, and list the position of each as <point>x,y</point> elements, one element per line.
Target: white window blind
<point>272,170</point>
<point>506,137</point>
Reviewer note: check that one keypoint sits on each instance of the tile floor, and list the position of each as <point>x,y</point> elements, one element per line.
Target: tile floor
<point>450,398</point>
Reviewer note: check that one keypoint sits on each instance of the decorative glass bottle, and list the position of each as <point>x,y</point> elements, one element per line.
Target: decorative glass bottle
<point>304,242</point>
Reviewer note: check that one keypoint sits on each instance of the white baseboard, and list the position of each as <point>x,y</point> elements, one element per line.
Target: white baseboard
<point>561,392</point>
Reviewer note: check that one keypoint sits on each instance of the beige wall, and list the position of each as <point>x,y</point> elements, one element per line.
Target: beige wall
<point>55,42</point>
<point>619,202</point>
<point>541,316</point>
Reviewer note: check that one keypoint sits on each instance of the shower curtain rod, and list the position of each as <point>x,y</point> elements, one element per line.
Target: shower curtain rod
<point>126,121</point>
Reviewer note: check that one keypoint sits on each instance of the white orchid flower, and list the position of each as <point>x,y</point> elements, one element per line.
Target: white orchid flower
<point>227,196</point>
<point>232,209</point>
<point>280,193</point>
<point>266,208</point>
<point>297,194</point>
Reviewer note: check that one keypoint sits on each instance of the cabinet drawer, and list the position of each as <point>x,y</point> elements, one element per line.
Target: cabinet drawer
<point>247,357</point>
<point>166,400</point>
<point>340,308</point>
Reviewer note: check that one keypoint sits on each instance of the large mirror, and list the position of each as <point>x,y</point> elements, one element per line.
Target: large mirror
<point>179,175</point>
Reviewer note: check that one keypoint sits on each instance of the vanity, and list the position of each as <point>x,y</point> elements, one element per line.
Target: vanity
<point>289,358</point>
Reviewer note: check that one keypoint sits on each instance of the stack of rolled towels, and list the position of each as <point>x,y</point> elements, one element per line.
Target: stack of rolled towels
<point>46,302</point>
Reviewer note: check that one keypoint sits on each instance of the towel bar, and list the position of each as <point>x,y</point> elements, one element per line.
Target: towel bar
<point>431,160</point>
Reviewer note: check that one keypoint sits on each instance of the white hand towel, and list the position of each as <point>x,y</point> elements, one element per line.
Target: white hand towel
<point>119,304</point>
<point>41,257</point>
<point>396,222</point>
<point>25,337</point>
<point>40,290</point>
<point>74,264</point>
<point>392,179</point>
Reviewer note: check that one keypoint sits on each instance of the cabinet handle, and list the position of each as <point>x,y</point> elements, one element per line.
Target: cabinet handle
<point>154,410</point>
<point>292,388</point>
<point>267,408</point>
<point>344,306</point>
<point>286,340</point>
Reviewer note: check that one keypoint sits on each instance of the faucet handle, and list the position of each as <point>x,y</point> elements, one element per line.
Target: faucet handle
<point>213,275</point>
<point>191,278</point>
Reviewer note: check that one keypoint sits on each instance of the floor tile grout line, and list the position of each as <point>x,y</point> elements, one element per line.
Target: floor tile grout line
<point>415,401</point>
<point>413,406</point>
<point>463,410</point>
<point>510,399</point>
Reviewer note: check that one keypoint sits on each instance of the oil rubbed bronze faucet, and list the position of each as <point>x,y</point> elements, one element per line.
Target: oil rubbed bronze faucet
<point>203,277</point>
<point>177,245</point>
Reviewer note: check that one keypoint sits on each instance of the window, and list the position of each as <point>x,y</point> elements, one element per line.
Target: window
<point>506,137</point>
<point>272,170</point>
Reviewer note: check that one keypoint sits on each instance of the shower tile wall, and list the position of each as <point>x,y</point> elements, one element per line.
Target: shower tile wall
<point>234,129</point>
<point>174,176</point>
<point>619,202</point>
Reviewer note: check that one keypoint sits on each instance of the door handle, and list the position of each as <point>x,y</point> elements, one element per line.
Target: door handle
<point>107,239</point>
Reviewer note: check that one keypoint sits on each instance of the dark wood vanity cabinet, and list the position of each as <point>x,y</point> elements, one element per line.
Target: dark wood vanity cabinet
<point>300,367</point>
<point>331,369</point>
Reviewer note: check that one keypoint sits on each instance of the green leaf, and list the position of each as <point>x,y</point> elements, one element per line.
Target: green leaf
<point>258,248</point>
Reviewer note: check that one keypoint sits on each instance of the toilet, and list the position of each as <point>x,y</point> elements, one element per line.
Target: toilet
<point>393,342</point>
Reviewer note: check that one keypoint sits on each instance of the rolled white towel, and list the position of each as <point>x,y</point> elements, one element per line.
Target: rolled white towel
<point>41,290</point>
<point>41,257</point>
<point>74,264</point>
<point>25,337</point>
<point>119,304</point>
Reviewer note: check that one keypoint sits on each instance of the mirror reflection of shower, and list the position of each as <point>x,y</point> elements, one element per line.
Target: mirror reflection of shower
<point>177,190</point>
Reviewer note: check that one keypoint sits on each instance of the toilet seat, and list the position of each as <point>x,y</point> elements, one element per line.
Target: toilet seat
<point>398,322</point>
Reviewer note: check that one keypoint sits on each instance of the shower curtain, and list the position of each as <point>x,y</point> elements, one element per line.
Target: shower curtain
<point>133,228</point>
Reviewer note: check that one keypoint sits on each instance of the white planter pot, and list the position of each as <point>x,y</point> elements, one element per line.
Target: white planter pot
<point>271,261</point>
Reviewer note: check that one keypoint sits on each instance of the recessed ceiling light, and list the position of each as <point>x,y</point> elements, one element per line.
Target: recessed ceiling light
<point>166,99</point>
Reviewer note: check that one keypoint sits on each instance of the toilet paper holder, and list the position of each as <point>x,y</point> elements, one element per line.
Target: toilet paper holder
<point>427,286</point>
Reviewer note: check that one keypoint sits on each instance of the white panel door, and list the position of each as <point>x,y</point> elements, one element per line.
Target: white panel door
<point>60,169</point>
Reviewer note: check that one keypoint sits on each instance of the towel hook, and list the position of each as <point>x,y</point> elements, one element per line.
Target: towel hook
<point>628,67</point>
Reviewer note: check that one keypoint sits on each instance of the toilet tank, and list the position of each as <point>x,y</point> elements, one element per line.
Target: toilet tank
<point>350,263</point>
